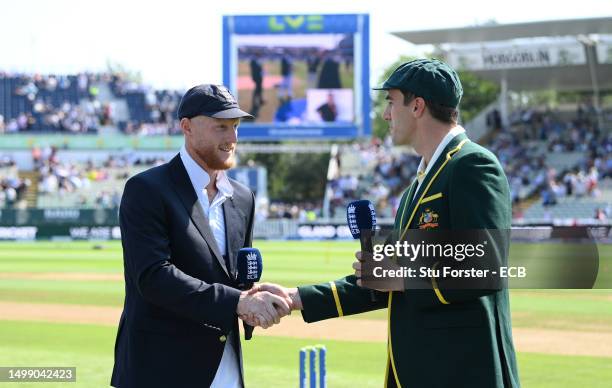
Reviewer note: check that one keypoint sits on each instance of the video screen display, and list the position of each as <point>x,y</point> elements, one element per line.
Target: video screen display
<point>297,78</point>
<point>300,76</point>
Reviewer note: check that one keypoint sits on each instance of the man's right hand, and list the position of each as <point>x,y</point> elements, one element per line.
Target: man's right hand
<point>265,307</point>
<point>290,294</point>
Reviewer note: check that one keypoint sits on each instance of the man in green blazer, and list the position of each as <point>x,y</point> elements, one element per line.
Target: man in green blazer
<point>437,338</point>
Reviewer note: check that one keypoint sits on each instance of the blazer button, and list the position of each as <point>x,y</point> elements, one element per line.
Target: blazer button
<point>222,338</point>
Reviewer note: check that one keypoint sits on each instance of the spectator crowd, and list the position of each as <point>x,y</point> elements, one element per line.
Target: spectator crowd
<point>521,148</point>
<point>12,187</point>
<point>79,104</point>
<point>379,172</point>
<point>58,178</point>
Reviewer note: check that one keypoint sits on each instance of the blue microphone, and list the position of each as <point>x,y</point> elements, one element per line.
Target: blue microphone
<point>250,267</point>
<point>361,219</point>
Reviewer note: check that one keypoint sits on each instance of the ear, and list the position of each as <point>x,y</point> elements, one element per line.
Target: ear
<point>419,107</point>
<point>185,125</point>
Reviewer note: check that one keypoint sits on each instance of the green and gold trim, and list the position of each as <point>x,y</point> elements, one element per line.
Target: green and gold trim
<point>431,198</point>
<point>336,298</point>
<point>434,284</point>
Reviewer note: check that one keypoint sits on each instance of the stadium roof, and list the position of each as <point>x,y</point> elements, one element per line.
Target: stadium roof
<point>572,77</point>
<point>494,32</point>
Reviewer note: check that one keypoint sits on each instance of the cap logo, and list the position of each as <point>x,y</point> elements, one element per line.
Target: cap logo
<point>226,94</point>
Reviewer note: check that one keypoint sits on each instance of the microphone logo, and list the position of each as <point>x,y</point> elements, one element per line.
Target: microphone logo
<point>352,218</point>
<point>352,221</point>
<point>373,213</point>
<point>252,267</point>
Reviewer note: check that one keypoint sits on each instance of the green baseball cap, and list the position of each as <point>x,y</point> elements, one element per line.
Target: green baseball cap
<point>430,79</point>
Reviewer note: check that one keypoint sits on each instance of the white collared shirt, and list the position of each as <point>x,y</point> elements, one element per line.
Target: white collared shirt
<point>213,211</point>
<point>228,373</point>
<point>423,170</point>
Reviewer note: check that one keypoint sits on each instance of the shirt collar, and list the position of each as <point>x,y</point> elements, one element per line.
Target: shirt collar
<point>422,171</point>
<point>200,178</point>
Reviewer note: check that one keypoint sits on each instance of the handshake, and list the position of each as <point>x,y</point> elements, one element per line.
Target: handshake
<point>265,304</point>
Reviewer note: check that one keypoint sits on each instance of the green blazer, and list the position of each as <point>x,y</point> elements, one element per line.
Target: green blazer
<point>440,338</point>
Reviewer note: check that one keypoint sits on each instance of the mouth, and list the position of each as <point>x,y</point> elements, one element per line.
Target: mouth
<point>226,148</point>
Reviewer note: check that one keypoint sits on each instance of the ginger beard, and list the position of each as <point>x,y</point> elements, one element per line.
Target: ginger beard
<point>217,156</point>
<point>213,142</point>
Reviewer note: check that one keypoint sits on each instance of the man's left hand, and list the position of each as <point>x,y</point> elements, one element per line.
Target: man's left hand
<point>391,284</point>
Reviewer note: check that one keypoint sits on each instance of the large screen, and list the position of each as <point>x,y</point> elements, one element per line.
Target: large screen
<point>300,76</point>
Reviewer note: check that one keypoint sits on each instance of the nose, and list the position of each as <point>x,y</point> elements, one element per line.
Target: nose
<point>233,137</point>
<point>387,113</point>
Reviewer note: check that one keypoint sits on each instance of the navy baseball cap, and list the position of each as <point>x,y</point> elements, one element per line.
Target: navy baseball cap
<point>210,100</point>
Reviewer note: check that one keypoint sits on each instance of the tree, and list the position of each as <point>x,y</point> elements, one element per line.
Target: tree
<point>477,94</point>
<point>294,177</point>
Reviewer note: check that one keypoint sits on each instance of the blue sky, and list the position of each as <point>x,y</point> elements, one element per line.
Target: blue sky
<point>176,44</point>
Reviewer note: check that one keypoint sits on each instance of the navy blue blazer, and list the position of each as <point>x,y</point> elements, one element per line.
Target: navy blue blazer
<point>180,295</point>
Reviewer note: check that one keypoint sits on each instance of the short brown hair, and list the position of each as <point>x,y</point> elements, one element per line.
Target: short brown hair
<point>439,112</point>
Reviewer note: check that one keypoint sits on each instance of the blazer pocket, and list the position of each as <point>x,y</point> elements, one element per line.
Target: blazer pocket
<point>431,198</point>
<point>453,318</point>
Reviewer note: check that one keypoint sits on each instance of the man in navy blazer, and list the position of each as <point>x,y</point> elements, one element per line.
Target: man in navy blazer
<point>182,224</point>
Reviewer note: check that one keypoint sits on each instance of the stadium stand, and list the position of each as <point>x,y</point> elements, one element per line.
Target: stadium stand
<point>13,187</point>
<point>83,103</point>
<point>547,156</point>
<point>557,161</point>
<point>86,185</point>
<point>374,170</point>
<point>49,103</point>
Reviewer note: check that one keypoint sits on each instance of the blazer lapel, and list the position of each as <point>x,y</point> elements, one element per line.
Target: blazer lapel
<point>232,218</point>
<point>401,217</point>
<point>432,172</point>
<point>188,197</point>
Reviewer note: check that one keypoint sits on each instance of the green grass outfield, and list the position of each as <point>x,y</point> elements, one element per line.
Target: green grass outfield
<point>350,364</point>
